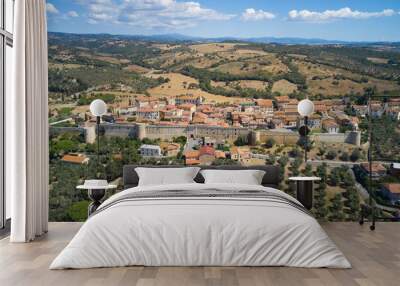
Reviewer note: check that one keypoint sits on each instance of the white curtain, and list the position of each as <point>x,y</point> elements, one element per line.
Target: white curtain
<point>27,124</point>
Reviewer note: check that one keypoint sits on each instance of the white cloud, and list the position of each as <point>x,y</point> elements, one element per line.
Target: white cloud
<point>151,13</point>
<point>251,14</point>
<point>51,9</point>
<point>72,14</point>
<point>343,13</point>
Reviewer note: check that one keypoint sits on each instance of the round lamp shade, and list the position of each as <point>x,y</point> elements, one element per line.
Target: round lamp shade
<point>98,107</point>
<point>305,107</point>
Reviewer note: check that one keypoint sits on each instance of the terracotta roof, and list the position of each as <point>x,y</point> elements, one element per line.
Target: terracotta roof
<point>394,188</point>
<point>207,150</point>
<point>234,150</point>
<point>146,98</point>
<point>75,158</point>
<point>264,102</point>
<point>282,98</point>
<point>169,146</point>
<point>329,123</point>
<point>188,97</point>
<point>376,167</point>
<point>219,154</point>
<point>187,106</point>
<point>191,162</point>
<point>146,109</point>
<point>192,154</point>
<point>201,115</point>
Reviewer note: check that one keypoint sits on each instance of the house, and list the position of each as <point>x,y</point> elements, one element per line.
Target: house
<point>340,117</point>
<point>244,154</point>
<point>206,155</point>
<point>234,153</point>
<point>266,106</point>
<point>378,170</point>
<point>188,99</point>
<point>314,121</point>
<point>189,110</point>
<point>170,149</point>
<point>171,113</point>
<point>394,112</point>
<point>145,101</point>
<point>361,110</point>
<point>79,159</point>
<point>290,121</point>
<point>395,169</point>
<point>199,118</point>
<point>392,192</point>
<point>320,107</point>
<point>330,126</point>
<point>282,100</point>
<point>220,154</point>
<point>192,157</point>
<point>377,110</point>
<point>354,122</point>
<point>150,150</point>
<point>276,123</point>
<point>148,113</point>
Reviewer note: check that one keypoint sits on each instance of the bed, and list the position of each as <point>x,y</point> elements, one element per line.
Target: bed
<point>198,224</point>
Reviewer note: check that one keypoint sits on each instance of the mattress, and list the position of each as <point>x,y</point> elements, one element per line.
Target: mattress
<point>201,225</point>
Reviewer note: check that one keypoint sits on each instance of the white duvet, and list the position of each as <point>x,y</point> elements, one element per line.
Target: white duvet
<point>202,232</point>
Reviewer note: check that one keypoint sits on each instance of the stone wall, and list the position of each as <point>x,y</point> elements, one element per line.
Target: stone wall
<point>168,132</point>
<point>290,138</point>
<point>350,137</point>
<point>287,138</point>
<point>229,134</point>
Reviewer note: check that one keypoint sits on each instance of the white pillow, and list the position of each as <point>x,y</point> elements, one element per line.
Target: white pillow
<point>166,176</point>
<point>248,177</point>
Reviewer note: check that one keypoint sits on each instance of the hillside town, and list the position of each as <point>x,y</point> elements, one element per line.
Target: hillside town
<point>331,119</point>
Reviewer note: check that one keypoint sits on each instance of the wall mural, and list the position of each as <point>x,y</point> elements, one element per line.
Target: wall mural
<point>219,103</point>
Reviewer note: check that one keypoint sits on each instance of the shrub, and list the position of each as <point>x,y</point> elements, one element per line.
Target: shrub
<point>270,143</point>
<point>344,156</point>
<point>355,155</point>
<point>331,155</point>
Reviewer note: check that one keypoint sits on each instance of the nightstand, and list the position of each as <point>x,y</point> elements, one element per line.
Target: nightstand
<point>304,190</point>
<point>96,192</point>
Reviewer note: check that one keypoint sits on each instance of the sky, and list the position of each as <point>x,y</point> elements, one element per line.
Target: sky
<point>348,20</point>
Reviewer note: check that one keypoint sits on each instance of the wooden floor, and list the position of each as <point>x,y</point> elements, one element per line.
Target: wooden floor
<point>375,257</point>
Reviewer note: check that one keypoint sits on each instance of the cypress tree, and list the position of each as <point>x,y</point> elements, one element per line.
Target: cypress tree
<point>336,208</point>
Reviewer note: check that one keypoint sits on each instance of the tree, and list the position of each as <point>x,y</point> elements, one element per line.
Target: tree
<point>79,211</point>
<point>352,203</point>
<point>321,151</point>
<point>331,155</point>
<point>270,143</point>
<point>320,211</point>
<point>241,141</point>
<point>355,155</point>
<point>296,152</point>
<point>181,140</point>
<point>271,160</point>
<point>283,160</point>
<point>336,208</point>
<point>322,172</point>
<point>294,169</point>
<point>344,156</point>
<point>305,143</point>
<point>308,170</point>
